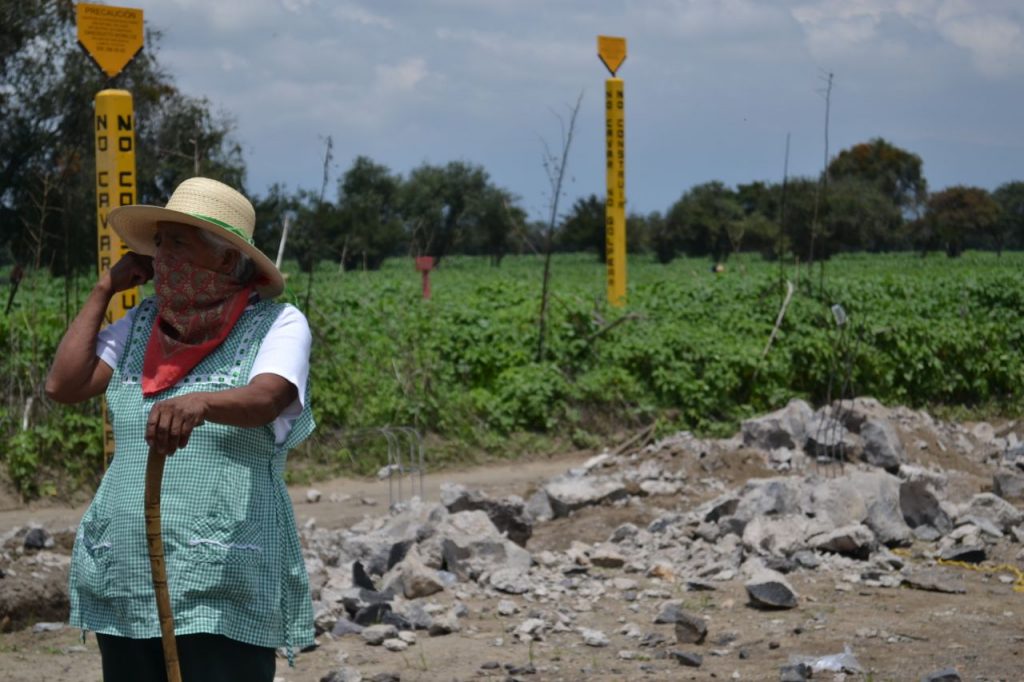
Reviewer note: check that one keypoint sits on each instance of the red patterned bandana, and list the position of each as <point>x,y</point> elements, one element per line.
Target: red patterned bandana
<point>197,309</point>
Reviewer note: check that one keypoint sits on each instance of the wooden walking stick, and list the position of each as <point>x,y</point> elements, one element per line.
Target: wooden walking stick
<point>154,478</point>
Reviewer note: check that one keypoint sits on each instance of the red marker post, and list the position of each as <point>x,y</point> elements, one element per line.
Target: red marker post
<point>425,264</point>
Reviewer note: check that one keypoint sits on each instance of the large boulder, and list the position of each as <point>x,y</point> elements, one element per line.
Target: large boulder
<point>1009,484</point>
<point>921,508</point>
<point>993,508</point>
<point>785,428</point>
<point>469,545</point>
<point>568,493</point>
<point>882,445</point>
<point>508,514</point>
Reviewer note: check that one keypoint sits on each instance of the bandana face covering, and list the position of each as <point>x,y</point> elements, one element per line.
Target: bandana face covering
<point>197,309</point>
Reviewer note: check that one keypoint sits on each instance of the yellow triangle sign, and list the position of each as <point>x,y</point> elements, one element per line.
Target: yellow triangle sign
<point>612,52</point>
<point>111,35</point>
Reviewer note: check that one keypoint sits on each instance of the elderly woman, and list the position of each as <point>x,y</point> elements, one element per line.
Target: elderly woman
<point>210,370</point>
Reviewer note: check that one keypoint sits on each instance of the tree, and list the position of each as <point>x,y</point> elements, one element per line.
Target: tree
<point>370,221</point>
<point>1010,226</point>
<point>699,222</point>
<point>584,228</point>
<point>959,213</point>
<point>896,172</point>
<point>860,216</point>
<point>436,203</point>
<point>498,217</point>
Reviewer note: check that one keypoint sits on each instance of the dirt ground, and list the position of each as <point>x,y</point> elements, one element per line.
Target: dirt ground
<point>895,634</point>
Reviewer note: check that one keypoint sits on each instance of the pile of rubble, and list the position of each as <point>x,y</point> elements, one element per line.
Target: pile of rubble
<point>378,579</point>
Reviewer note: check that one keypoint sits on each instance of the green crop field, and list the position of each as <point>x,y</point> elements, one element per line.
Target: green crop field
<point>686,352</point>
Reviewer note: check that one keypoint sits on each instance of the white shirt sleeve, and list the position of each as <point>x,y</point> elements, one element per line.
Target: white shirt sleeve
<point>111,339</point>
<point>285,352</point>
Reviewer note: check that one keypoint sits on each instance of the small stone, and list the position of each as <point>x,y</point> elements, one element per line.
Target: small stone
<point>37,538</point>
<point>691,629</point>
<point>490,665</point>
<point>444,624</point>
<point>527,669</point>
<point>690,660</point>
<point>47,627</point>
<point>594,638</point>
<point>770,590</point>
<point>944,675</point>
<point>376,634</point>
<point>386,677</point>
<point>395,644</point>
<point>313,496</point>
<point>627,655</point>
<point>799,672</point>
<point>407,636</point>
<point>346,674</point>
<point>507,608</point>
<point>343,626</point>
<point>607,556</point>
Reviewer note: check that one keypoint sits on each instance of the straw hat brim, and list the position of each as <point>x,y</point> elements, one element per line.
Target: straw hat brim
<point>136,225</point>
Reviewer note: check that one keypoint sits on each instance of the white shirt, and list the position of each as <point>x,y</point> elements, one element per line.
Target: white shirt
<point>284,352</point>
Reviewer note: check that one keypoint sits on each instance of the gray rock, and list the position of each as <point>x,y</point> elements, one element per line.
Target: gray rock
<point>414,579</point>
<point>386,677</point>
<point>855,540</point>
<point>691,629</point>
<point>414,613</point>
<point>670,612</point>
<point>969,553</point>
<point>828,439</point>
<point>994,508</point>
<point>882,445</point>
<point>510,581</point>
<point>538,507</point>
<point>1009,484</point>
<point>768,497</point>
<point>785,428</point>
<point>769,589</point>
<point>607,556</point>
<point>37,538</point>
<point>797,672</point>
<point>468,545</point>
<point>376,634</point>
<point>626,531</point>
<point>594,638</point>
<point>343,626</point>
<point>920,507</point>
<point>346,674</point>
<point>934,581</point>
<point>508,514</point>
<point>47,627</point>
<point>444,624</point>
<point>688,659</point>
<point>944,675</point>
<point>395,644</point>
<point>569,493</point>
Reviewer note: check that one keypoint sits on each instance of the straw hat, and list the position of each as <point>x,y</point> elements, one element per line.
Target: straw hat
<point>208,205</point>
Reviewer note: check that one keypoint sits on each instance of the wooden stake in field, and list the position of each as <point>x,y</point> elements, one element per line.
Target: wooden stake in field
<point>154,479</point>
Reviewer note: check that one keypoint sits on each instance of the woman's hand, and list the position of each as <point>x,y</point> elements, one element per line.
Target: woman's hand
<point>131,271</point>
<point>172,421</point>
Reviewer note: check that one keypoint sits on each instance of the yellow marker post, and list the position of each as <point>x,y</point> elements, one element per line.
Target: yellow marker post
<point>112,36</point>
<point>115,186</point>
<point>612,52</point>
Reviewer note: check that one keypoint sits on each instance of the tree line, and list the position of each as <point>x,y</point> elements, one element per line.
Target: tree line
<point>872,196</point>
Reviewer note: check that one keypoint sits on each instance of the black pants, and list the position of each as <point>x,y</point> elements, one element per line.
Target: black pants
<point>203,658</point>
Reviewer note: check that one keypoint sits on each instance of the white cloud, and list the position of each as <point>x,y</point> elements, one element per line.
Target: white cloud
<point>401,77</point>
<point>356,14</point>
<point>991,33</point>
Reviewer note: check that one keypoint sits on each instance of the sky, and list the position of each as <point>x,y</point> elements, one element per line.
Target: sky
<point>713,87</point>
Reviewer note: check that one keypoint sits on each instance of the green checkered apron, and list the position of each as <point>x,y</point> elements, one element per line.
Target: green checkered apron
<point>234,564</point>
